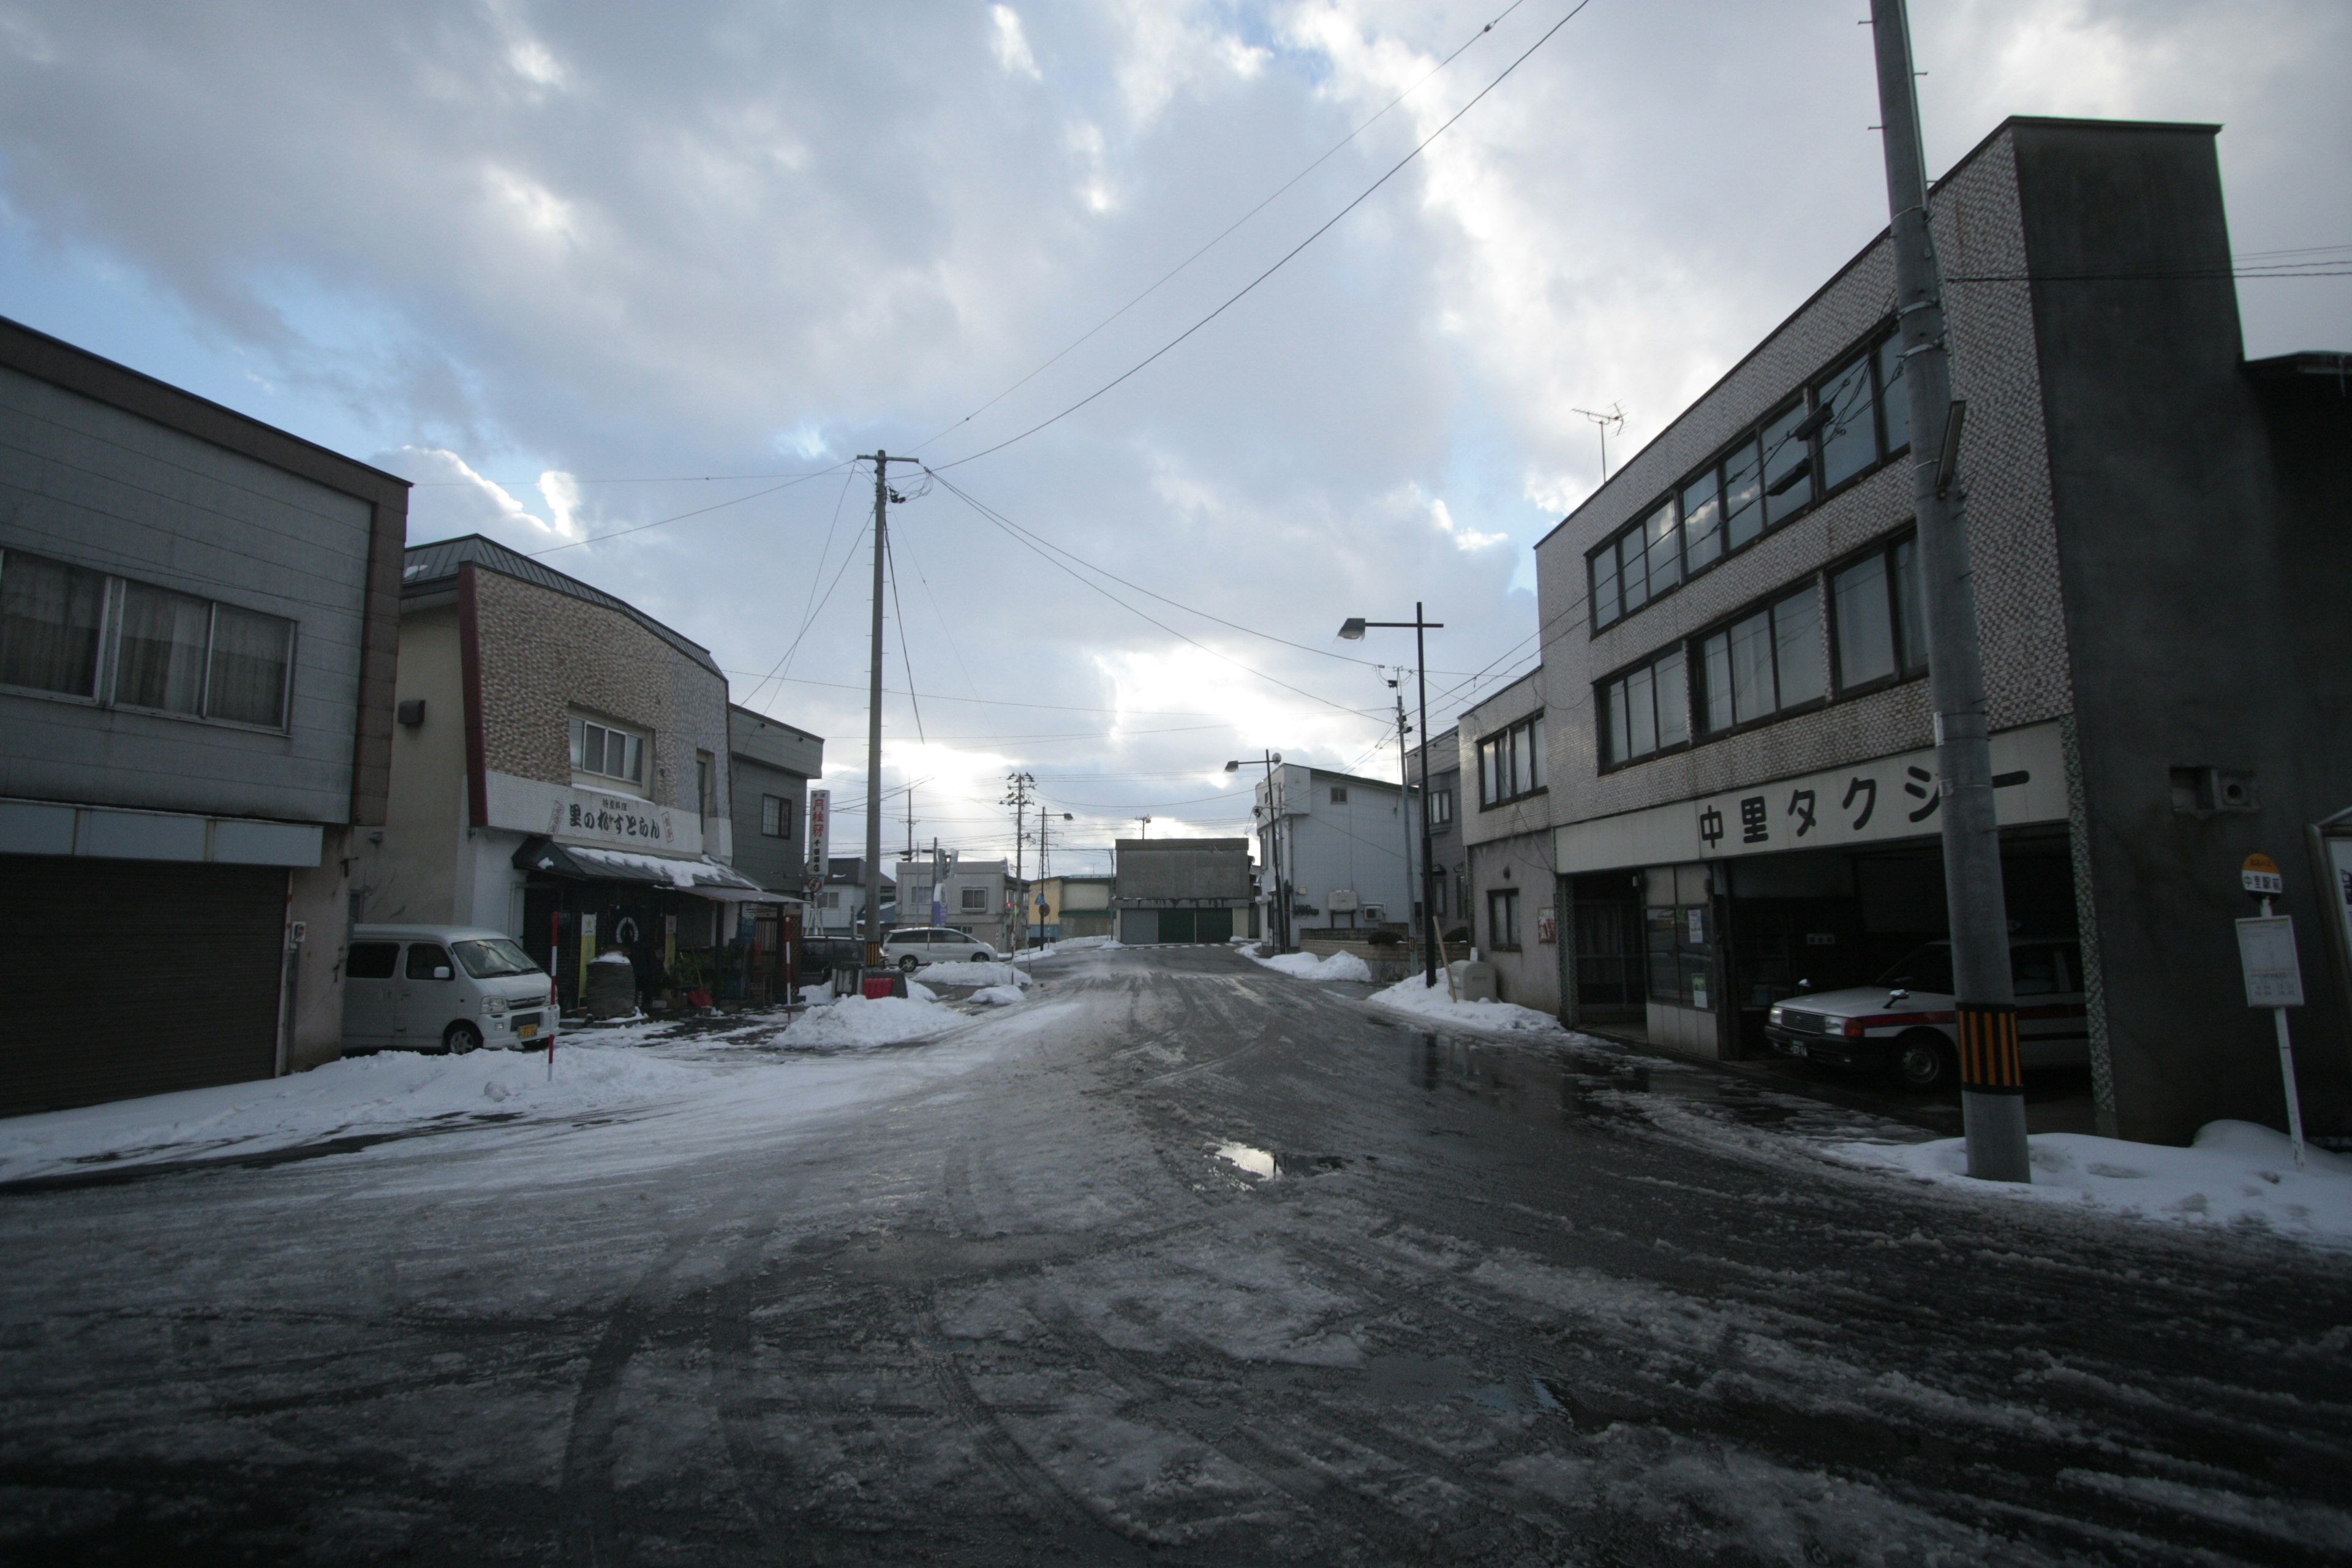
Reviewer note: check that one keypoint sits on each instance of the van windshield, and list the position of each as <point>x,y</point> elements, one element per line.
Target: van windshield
<point>497,956</point>
<point>1929,968</point>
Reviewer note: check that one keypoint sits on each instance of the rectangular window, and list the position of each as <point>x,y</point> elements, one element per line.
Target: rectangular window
<point>50,615</point>
<point>606,752</point>
<point>1502,919</point>
<point>1798,655</point>
<point>975,899</point>
<point>1864,621</point>
<point>1441,808</point>
<point>1665,549</point>
<point>252,654</point>
<point>1715,703</point>
<point>1338,795</point>
<point>160,658</point>
<point>1646,710</point>
<point>1893,400</point>
<point>1510,765</point>
<point>1788,467</point>
<point>1850,440</point>
<point>1743,495</point>
<point>1632,569</point>
<point>1702,522</point>
<point>1764,663</point>
<point>775,817</point>
<point>371,960</point>
<point>1605,608</point>
<point>706,787</point>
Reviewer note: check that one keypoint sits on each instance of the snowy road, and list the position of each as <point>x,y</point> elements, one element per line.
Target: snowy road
<point>1182,1260</point>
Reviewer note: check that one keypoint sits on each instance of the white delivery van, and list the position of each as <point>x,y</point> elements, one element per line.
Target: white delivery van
<point>442,988</point>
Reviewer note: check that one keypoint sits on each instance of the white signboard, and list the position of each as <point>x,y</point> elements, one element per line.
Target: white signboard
<point>591,816</point>
<point>1888,798</point>
<point>1341,901</point>
<point>2339,861</point>
<point>2266,952</point>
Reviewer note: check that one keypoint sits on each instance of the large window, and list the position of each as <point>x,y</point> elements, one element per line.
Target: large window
<point>173,653</point>
<point>1875,617</point>
<point>1764,663</point>
<point>1441,808</point>
<point>974,898</point>
<point>1852,418</point>
<point>775,817</point>
<point>605,750</point>
<point>1511,765</point>
<point>1502,919</point>
<point>1646,710</point>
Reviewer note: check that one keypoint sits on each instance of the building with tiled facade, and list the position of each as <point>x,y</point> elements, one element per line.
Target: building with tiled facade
<point>558,770</point>
<point>1736,720</point>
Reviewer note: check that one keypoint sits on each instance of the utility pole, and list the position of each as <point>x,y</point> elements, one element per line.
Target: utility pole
<point>1016,796</point>
<point>1992,1086</point>
<point>1146,823</point>
<point>1278,926</point>
<point>881,461</point>
<point>1404,784</point>
<point>1352,630</point>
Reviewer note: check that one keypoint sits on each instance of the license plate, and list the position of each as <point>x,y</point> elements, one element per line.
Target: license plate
<point>1795,1049</point>
<point>528,1031</point>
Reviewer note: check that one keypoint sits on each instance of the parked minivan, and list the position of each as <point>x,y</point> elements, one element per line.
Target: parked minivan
<point>442,988</point>
<point>917,947</point>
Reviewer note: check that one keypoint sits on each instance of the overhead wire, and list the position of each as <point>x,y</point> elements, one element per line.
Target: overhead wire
<point>809,608</point>
<point>1287,256</point>
<point>681,517</point>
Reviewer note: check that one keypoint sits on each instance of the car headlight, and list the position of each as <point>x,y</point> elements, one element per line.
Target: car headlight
<point>1776,1014</point>
<point>494,1006</point>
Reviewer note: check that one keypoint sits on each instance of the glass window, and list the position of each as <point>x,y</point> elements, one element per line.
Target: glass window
<point>1604,587</point>
<point>1633,570</point>
<point>1894,401</point>
<point>1534,778</point>
<point>1338,795</point>
<point>1503,918</point>
<point>160,661</point>
<point>1787,467</point>
<point>1866,625</point>
<point>1673,700</point>
<point>2033,971</point>
<point>1714,704</point>
<point>1743,496</point>
<point>612,752</point>
<point>250,655</point>
<point>579,746</point>
<point>1620,729</point>
<point>487,959</point>
<point>774,821</point>
<point>371,960</point>
<point>1910,616</point>
<point>50,618</point>
<point>1928,968</point>
<point>1702,522</point>
<point>1665,549</point>
<point>1642,707</point>
<point>1850,440</point>
<point>424,958</point>
<point>1751,667</point>
<point>1486,794</point>
<point>975,898</point>
<point>1797,649</point>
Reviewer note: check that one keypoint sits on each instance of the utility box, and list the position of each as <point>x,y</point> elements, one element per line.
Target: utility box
<point>1474,979</point>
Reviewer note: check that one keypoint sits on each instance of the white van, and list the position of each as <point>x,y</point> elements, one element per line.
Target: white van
<point>442,988</point>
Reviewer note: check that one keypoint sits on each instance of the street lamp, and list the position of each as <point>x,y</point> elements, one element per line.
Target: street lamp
<point>1352,630</point>
<point>1281,894</point>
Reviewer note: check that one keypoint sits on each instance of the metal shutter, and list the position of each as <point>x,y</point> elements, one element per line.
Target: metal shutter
<point>131,977</point>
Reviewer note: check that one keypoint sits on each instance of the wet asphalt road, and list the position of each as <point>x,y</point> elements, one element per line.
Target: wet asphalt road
<point>1438,1299</point>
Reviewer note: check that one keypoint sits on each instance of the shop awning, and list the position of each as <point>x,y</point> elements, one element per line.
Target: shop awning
<point>698,875</point>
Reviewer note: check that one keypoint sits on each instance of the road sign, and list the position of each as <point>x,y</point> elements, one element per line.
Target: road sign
<point>2260,876</point>
<point>2266,953</point>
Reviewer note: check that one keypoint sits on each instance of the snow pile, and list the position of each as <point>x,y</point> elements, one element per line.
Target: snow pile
<point>1307,966</point>
<point>2236,1174</point>
<point>1001,996</point>
<point>616,956</point>
<point>356,1096</point>
<point>1072,945</point>
<point>873,1021</point>
<point>918,992</point>
<point>976,974</point>
<point>1413,994</point>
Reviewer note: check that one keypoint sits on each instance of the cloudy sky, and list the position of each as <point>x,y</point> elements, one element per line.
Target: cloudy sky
<point>579,268</point>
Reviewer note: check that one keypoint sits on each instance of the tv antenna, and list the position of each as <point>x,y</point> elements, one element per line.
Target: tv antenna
<point>1614,417</point>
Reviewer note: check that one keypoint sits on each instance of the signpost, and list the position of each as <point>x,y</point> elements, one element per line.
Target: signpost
<point>2273,974</point>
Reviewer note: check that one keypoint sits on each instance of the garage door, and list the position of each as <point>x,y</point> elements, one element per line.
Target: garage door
<point>135,977</point>
<point>1213,926</point>
<point>1139,927</point>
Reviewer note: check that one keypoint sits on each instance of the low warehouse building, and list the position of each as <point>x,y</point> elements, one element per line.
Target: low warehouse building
<point>1180,889</point>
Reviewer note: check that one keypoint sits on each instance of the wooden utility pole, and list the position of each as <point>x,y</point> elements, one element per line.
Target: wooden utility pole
<point>881,461</point>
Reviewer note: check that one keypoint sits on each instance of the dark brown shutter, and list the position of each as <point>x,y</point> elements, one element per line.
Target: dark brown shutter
<point>131,977</point>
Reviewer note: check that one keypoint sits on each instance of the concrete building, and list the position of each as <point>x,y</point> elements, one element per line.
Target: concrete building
<point>1074,907</point>
<point>1742,760</point>
<point>770,765</point>
<point>975,897</point>
<point>1339,840</point>
<point>1447,854</point>
<point>1506,823</point>
<point>559,772</point>
<point>1181,890</point>
<point>198,627</point>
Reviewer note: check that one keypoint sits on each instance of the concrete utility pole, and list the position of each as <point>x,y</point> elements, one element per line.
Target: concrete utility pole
<point>1277,905</point>
<point>1352,630</point>
<point>1017,796</point>
<point>1404,784</point>
<point>881,461</point>
<point>1992,1086</point>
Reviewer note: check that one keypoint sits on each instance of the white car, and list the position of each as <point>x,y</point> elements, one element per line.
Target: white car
<point>917,946</point>
<point>1905,1022</point>
<point>442,988</point>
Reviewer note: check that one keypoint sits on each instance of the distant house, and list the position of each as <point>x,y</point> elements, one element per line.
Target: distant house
<point>975,897</point>
<point>1339,840</point>
<point>770,765</point>
<point>1181,890</point>
<point>1073,907</point>
<point>198,625</point>
<point>841,901</point>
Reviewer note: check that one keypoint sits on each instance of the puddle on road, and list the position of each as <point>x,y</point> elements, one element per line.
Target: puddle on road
<point>1586,1083</point>
<point>1268,1164</point>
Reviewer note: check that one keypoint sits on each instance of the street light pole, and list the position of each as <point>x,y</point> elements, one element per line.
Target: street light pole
<point>1993,1086</point>
<point>1353,631</point>
<point>1280,895</point>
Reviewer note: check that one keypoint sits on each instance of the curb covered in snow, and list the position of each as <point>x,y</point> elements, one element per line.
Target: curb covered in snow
<point>1413,994</point>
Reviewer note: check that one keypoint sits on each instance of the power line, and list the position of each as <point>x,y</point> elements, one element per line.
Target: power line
<point>1364,196</point>
<point>681,517</point>
<point>810,608</point>
<point>890,558</point>
<point>1219,238</point>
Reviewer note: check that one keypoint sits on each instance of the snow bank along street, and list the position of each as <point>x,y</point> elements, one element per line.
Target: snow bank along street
<point>1177,1258</point>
